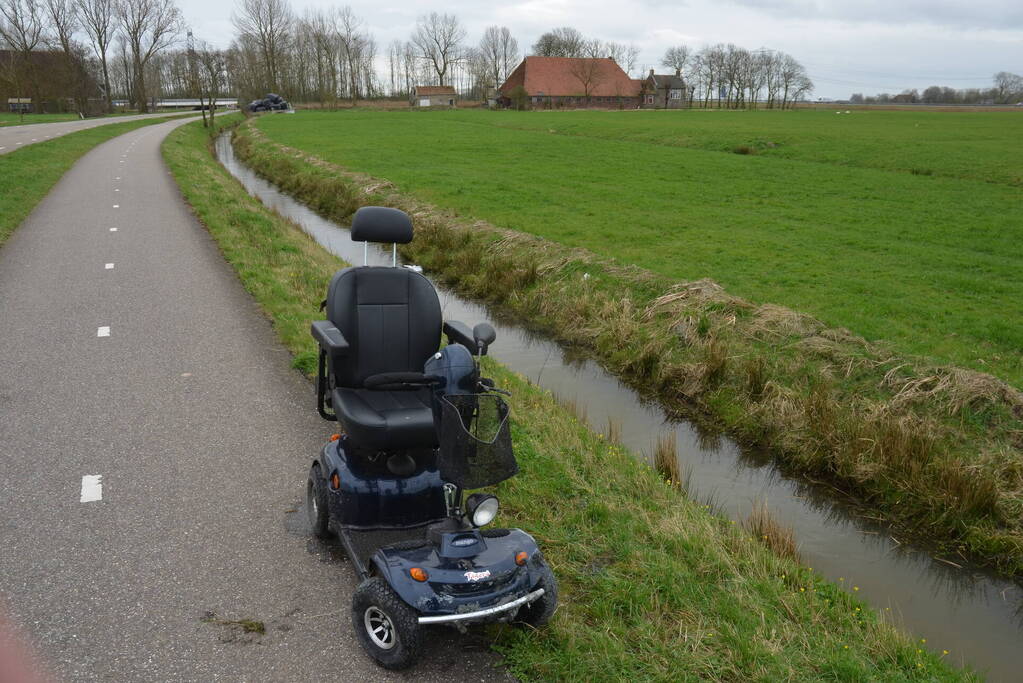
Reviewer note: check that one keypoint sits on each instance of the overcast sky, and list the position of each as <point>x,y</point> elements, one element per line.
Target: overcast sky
<point>848,46</point>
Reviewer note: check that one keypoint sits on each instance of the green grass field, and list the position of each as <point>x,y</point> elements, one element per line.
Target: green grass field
<point>654,586</point>
<point>8,119</point>
<point>903,226</point>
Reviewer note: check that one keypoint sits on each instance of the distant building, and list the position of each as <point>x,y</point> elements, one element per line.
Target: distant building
<point>433,96</point>
<point>664,91</point>
<point>555,82</point>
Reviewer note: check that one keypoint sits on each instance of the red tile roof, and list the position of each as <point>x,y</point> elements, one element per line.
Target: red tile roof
<point>565,76</point>
<point>435,90</point>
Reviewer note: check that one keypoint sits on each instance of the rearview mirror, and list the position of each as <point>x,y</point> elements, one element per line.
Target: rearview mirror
<point>484,335</point>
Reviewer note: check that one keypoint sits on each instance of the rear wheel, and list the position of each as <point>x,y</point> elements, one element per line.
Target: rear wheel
<point>316,503</point>
<point>540,611</point>
<point>386,627</point>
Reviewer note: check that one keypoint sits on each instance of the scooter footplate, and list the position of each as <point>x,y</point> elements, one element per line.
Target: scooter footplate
<point>363,543</point>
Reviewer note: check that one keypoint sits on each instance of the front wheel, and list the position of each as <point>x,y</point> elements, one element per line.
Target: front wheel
<point>387,628</point>
<point>316,503</point>
<point>540,611</point>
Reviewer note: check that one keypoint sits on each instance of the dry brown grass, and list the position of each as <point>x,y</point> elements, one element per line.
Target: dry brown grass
<point>666,459</point>
<point>772,533</point>
<point>614,430</point>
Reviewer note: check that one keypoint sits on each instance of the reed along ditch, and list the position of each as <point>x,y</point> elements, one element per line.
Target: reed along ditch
<point>975,615</point>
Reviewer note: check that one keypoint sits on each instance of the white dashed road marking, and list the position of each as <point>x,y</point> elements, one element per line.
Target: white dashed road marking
<point>110,266</point>
<point>117,206</point>
<point>92,488</point>
<point>113,229</point>
<point>103,331</point>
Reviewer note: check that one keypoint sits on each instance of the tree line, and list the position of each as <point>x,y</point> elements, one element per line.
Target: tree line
<point>80,50</point>
<point>73,52</point>
<point>1007,88</point>
<point>329,55</point>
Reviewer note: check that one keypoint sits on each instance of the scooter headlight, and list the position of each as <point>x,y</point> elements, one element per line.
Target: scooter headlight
<point>481,508</point>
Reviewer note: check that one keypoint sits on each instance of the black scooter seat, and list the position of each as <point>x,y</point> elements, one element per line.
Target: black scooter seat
<point>386,420</point>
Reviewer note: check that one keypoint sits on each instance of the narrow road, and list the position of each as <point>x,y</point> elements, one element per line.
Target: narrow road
<point>154,443</point>
<point>13,138</point>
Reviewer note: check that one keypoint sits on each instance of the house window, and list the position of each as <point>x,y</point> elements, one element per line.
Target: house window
<point>649,99</point>
<point>676,94</point>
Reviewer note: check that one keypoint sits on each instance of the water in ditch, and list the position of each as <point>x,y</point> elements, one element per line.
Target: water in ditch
<point>977,617</point>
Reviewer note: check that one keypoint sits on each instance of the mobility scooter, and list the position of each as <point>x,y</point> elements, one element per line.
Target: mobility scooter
<point>418,428</point>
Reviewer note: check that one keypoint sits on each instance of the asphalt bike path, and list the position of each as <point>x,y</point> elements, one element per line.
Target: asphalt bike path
<point>13,138</point>
<point>154,445</point>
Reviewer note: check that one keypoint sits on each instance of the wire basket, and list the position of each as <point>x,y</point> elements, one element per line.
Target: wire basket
<point>475,441</point>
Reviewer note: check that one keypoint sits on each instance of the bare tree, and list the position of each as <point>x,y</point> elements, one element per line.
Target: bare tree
<point>212,76</point>
<point>148,26</point>
<point>677,58</point>
<point>268,23</point>
<point>588,72</point>
<point>21,27</point>
<point>97,17</point>
<point>437,39</point>
<point>63,20</point>
<point>795,82</point>
<point>354,44</point>
<point>631,59</point>
<point>499,52</point>
<point>561,42</point>
<point>596,49</point>
<point>616,51</point>
<point>1008,87</point>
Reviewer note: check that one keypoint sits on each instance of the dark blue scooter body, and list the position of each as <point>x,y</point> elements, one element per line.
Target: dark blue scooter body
<point>469,569</point>
<point>370,496</point>
<point>488,578</point>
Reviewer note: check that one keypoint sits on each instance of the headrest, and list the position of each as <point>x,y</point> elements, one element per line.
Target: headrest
<point>381,224</point>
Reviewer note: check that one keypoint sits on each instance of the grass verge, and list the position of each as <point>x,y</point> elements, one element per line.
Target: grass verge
<point>653,585</point>
<point>935,448</point>
<point>27,175</point>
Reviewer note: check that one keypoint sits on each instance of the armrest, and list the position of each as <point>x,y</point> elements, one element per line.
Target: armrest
<point>329,338</point>
<point>459,333</point>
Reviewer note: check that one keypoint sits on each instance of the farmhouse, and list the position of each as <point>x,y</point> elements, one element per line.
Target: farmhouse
<point>433,96</point>
<point>550,82</point>
<point>664,91</point>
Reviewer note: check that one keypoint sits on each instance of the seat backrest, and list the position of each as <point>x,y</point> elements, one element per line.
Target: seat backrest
<point>390,317</point>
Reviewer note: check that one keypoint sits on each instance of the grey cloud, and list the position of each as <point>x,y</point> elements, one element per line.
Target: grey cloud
<point>997,14</point>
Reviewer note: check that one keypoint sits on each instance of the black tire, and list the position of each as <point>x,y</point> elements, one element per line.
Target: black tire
<point>316,503</point>
<point>387,628</point>
<point>540,611</point>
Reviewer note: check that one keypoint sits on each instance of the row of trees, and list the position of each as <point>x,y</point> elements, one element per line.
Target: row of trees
<point>102,45</point>
<point>327,55</point>
<point>1007,88</point>
<point>733,77</point>
<point>136,49</point>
